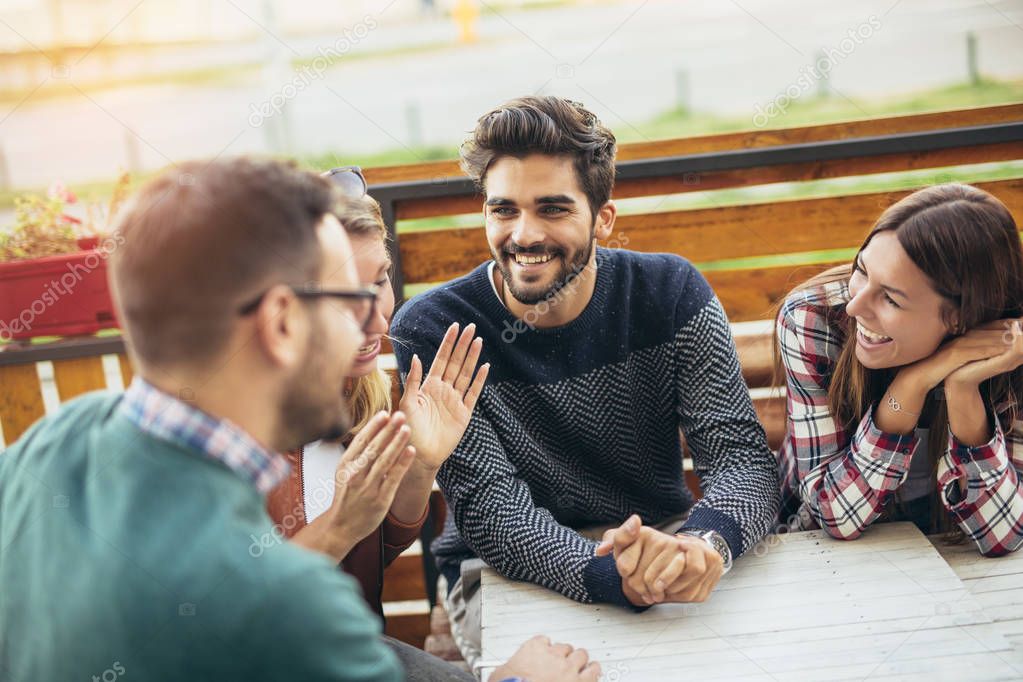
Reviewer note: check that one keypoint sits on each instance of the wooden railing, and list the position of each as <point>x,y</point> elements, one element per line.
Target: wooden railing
<point>749,295</point>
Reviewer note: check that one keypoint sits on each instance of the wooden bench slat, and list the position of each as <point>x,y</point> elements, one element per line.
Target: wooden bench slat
<point>749,139</point>
<point>127,371</point>
<point>748,177</point>
<point>403,579</point>
<point>21,400</point>
<point>756,357</point>
<point>701,235</point>
<point>411,628</point>
<point>753,294</point>
<point>77,376</point>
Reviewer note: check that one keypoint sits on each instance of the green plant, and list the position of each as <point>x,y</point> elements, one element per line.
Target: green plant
<point>42,226</point>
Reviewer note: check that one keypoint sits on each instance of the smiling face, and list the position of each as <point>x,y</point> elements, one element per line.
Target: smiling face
<point>539,224</point>
<point>373,265</point>
<point>899,316</point>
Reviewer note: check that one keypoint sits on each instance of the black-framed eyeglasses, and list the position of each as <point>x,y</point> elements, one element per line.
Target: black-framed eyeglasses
<point>362,301</point>
<point>349,179</point>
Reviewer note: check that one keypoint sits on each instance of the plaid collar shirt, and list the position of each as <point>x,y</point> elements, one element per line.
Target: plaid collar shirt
<point>168,418</point>
<point>843,477</point>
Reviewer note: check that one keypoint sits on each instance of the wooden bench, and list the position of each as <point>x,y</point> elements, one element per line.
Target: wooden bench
<point>711,237</point>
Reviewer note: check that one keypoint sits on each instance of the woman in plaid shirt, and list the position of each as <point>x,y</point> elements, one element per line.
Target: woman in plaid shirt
<point>904,378</point>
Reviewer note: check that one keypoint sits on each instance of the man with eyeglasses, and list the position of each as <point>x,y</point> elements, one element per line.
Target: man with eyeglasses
<point>126,519</point>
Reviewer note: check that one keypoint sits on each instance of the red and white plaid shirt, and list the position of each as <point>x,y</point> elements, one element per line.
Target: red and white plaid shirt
<point>844,477</point>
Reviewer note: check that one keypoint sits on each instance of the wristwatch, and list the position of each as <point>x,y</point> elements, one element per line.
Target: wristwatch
<point>717,543</point>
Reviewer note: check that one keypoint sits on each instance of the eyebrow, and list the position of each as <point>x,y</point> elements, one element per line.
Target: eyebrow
<point>539,201</point>
<point>891,290</point>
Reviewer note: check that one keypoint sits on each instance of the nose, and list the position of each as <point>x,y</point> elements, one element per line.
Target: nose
<point>527,231</point>
<point>858,305</point>
<point>377,323</point>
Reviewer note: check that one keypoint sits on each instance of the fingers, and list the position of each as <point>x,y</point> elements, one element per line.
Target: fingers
<point>670,574</point>
<point>353,464</point>
<point>701,591</point>
<point>392,479</point>
<point>368,432</point>
<point>685,586</point>
<point>606,542</point>
<point>591,673</point>
<point>388,445</point>
<point>457,358</point>
<point>561,649</point>
<point>414,379</point>
<point>464,377</point>
<point>654,587</point>
<point>476,389</point>
<point>626,548</point>
<point>578,659</point>
<point>440,360</point>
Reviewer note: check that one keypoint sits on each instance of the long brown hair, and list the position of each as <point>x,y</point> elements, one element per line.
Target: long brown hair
<point>967,244</point>
<point>371,393</point>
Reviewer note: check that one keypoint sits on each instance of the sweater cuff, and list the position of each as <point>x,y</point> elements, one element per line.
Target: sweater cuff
<point>708,518</point>
<point>399,535</point>
<point>604,584</point>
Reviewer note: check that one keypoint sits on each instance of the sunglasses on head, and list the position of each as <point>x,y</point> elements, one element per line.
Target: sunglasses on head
<point>349,180</point>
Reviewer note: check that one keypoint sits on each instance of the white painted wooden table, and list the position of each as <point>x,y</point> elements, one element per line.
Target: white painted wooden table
<point>995,584</point>
<point>798,607</point>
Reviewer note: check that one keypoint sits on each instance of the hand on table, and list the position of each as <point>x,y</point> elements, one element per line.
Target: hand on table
<point>538,660</point>
<point>657,567</point>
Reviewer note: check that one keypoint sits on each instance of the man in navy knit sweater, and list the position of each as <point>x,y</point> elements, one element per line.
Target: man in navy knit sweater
<point>599,357</point>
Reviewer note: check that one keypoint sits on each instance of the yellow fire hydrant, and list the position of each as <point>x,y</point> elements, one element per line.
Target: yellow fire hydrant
<point>465,14</point>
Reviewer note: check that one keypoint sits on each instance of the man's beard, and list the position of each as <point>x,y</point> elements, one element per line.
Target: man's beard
<point>310,409</point>
<point>569,269</point>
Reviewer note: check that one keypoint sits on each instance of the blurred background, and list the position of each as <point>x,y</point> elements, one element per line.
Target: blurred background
<point>91,89</point>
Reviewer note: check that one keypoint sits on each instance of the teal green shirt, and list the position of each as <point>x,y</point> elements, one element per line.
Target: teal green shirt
<point>125,555</point>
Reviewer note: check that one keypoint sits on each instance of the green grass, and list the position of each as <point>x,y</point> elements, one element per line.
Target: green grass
<point>809,110</point>
<point>813,110</point>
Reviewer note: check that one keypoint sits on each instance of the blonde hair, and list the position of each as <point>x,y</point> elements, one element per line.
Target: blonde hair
<point>371,393</point>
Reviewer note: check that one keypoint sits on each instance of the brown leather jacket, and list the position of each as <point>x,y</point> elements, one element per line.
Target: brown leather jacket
<point>367,560</point>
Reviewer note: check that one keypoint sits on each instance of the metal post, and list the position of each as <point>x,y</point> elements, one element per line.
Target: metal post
<point>388,213</point>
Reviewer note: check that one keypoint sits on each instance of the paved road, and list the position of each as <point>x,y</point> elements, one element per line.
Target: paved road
<point>620,58</point>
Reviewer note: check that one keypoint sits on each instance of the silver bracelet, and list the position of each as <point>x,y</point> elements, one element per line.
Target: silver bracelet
<point>896,406</point>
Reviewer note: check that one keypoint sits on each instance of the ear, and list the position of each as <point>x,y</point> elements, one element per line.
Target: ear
<point>281,327</point>
<point>605,220</point>
<point>954,323</point>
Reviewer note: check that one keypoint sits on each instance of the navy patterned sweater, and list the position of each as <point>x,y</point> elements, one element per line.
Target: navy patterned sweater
<point>579,425</point>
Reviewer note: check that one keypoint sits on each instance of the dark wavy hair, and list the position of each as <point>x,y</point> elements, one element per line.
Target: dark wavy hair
<point>545,125</point>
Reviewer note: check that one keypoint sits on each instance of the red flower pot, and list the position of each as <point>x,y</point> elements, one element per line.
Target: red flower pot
<point>62,295</point>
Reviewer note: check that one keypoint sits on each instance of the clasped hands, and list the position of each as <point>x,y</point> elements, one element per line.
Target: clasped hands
<point>658,567</point>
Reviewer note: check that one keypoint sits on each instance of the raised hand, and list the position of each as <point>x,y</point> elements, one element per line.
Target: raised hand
<point>439,408</point>
<point>365,482</point>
